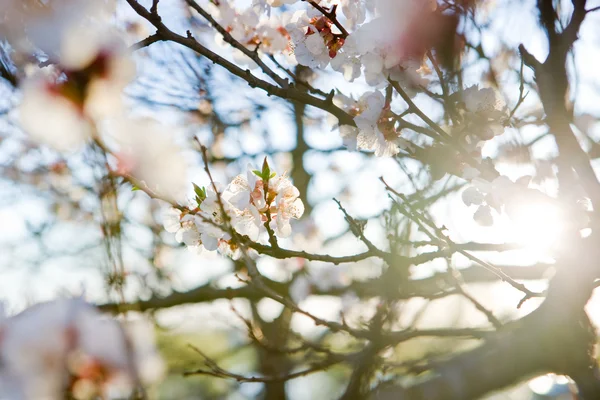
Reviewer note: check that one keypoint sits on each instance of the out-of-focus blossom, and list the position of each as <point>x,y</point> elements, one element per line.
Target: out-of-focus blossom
<point>501,194</point>
<point>61,109</point>
<point>146,150</point>
<point>472,196</point>
<point>50,118</point>
<point>300,288</point>
<point>272,3</point>
<point>348,63</point>
<point>355,12</point>
<point>58,347</point>
<point>318,279</point>
<point>51,26</point>
<point>485,112</point>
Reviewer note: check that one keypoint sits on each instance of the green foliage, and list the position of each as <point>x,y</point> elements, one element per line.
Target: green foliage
<point>200,194</point>
<point>266,172</point>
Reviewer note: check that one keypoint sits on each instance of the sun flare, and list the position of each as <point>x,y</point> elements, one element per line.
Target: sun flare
<point>536,225</point>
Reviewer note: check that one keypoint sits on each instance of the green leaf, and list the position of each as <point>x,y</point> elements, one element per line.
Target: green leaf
<point>257,173</point>
<point>272,175</point>
<point>134,188</point>
<point>266,171</point>
<point>200,193</point>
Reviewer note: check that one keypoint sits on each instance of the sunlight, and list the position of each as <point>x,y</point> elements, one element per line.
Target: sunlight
<point>536,225</point>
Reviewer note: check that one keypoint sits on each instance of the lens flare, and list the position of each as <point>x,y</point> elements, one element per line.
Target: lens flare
<point>536,225</point>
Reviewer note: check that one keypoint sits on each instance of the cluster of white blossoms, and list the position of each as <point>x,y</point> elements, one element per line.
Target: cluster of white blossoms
<point>376,47</point>
<point>483,117</point>
<point>484,114</point>
<point>252,28</point>
<point>376,125</point>
<point>252,202</point>
<point>313,38</point>
<point>67,349</point>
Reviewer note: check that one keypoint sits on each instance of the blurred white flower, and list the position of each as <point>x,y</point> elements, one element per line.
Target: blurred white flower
<point>470,173</point>
<point>323,279</point>
<point>261,4</point>
<point>104,93</point>
<point>172,220</point>
<point>485,101</point>
<point>310,59</point>
<point>30,24</point>
<point>501,194</point>
<point>147,151</point>
<point>355,11</point>
<point>54,346</point>
<point>472,196</point>
<point>188,234</point>
<point>51,118</point>
<point>184,228</point>
<point>312,38</point>
<point>251,28</point>
<point>300,288</point>
<point>61,110</point>
<point>485,112</point>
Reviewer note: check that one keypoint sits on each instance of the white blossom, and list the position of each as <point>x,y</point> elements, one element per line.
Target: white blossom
<point>348,64</point>
<point>288,205</point>
<point>51,119</point>
<point>355,12</point>
<point>499,194</point>
<point>323,279</point>
<point>210,222</point>
<point>147,151</point>
<point>485,111</point>
<point>52,346</point>
<point>349,136</point>
<point>281,201</point>
<point>247,207</point>
<point>472,196</point>
<point>184,228</point>
<point>370,136</point>
<point>48,27</point>
<point>63,109</point>
<point>300,288</point>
